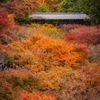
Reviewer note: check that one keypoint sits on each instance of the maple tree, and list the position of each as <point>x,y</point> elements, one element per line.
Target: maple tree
<point>4,22</point>
<point>46,66</point>
<point>53,4</point>
<point>85,35</point>
<point>42,52</point>
<point>16,7</point>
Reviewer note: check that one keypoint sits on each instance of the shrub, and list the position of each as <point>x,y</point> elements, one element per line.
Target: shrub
<point>16,33</point>
<point>13,81</point>
<point>46,29</point>
<point>55,78</point>
<point>29,83</point>
<point>85,35</point>
<point>69,27</point>
<point>37,96</point>
<point>41,52</point>
<point>94,53</point>
<point>91,77</point>
<point>5,95</point>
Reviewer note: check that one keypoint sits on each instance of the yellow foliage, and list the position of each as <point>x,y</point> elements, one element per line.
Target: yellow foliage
<point>50,29</point>
<point>46,29</point>
<point>55,78</point>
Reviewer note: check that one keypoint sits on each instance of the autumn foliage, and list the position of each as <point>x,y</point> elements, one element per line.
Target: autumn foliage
<point>47,62</point>
<point>41,52</point>
<point>37,96</point>
<point>85,35</point>
<point>4,21</point>
<point>47,67</point>
<point>16,7</point>
<point>91,76</point>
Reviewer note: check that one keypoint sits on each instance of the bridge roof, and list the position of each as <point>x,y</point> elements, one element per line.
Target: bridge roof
<point>59,16</point>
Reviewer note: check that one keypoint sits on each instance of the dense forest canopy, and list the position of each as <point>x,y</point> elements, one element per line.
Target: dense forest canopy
<point>46,61</point>
<point>90,7</point>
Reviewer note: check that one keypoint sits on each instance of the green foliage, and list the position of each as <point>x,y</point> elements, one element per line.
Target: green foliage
<point>3,1</point>
<point>68,6</point>
<point>8,59</point>
<point>43,7</point>
<point>24,20</point>
<point>31,82</point>
<point>92,8</point>
<point>15,81</point>
<point>4,95</point>
<point>28,83</point>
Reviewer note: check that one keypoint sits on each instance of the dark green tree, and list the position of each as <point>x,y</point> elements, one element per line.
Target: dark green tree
<point>68,6</point>
<point>3,1</point>
<point>92,8</point>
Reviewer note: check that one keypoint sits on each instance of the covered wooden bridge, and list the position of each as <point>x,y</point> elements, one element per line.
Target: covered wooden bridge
<point>59,18</point>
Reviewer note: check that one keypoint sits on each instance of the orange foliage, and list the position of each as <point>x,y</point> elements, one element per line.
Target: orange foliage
<point>42,52</point>
<point>91,76</point>
<point>11,18</point>
<point>37,96</point>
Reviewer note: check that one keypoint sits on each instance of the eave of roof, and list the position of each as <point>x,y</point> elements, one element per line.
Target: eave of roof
<point>59,16</point>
